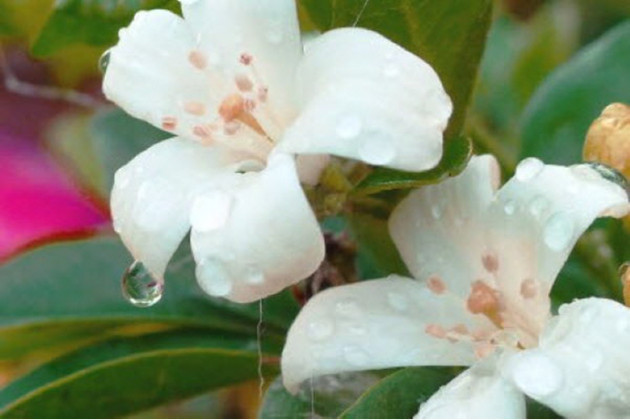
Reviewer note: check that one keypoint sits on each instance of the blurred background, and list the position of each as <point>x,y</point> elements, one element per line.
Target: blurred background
<point>545,76</point>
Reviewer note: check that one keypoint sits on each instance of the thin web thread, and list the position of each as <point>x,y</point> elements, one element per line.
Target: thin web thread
<point>261,378</point>
<point>13,84</point>
<point>360,15</point>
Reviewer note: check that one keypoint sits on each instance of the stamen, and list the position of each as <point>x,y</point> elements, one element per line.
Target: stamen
<point>436,285</point>
<point>435,331</point>
<point>232,107</point>
<point>246,59</point>
<point>198,60</point>
<point>243,83</point>
<point>231,127</point>
<point>263,93</point>
<point>483,350</point>
<point>169,123</point>
<point>195,108</point>
<point>485,300</point>
<point>490,262</point>
<point>204,132</point>
<point>529,288</point>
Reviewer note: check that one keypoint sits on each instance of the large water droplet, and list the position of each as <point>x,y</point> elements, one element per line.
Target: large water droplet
<point>320,329</point>
<point>349,127</point>
<point>377,151</point>
<point>213,277</point>
<point>355,356</point>
<point>529,169</point>
<point>210,211</point>
<point>558,231</point>
<point>537,375</point>
<point>103,61</point>
<point>140,288</point>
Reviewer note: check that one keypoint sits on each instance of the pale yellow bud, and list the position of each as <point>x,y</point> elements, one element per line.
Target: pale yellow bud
<point>608,139</point>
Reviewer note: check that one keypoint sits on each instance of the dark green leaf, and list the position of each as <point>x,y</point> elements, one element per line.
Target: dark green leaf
<point>73,286</point>
<point>457,152</point>
<point>92,22</point>
<point>124,376</point>
<point>329,397</point>
<point>448,34</point>
<point>557,118</point>
<point>536,410</point>
<point>399,395</point>
<point>118,138</point>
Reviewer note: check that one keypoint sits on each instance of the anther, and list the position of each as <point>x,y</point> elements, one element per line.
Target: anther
<point>243,83</point>
<point>246,59</point>
<point>169,123</point>
<point>195,108</point>
<point>435,331</point>
<point>197,59</point>
<point>490,262</point>
<point>232,107</point>
<point>436,285</point>
<point>484,300</point>
<point>529,288</point>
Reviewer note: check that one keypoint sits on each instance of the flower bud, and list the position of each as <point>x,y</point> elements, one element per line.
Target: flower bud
<point>608,139</point>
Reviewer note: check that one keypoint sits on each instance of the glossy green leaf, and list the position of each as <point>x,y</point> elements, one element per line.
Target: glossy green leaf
<point>117,138</point>
<point>330,396</point>
<point>557,118</point>
<point>448,34</point>
<point>91,22</point>
<point>457,152</point>
<point>72,286</point>
<point>123,376</point>
<point>399,395</point>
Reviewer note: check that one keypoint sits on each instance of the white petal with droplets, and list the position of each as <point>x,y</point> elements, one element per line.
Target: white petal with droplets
<point>373,325</point>
<point>477,393</point>
<point>581,367</point>
<point>153,194</point>
<point>355,105</point>
<point>269,240</point>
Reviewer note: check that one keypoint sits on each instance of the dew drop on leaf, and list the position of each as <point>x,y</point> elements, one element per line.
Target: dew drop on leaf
<point>139,287</point>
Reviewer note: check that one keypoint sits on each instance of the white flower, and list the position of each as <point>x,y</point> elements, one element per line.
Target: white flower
<point>486,261</point>
<point>232,81</point>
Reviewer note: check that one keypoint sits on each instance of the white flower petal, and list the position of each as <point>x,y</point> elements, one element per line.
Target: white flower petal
<point>152,195</point>
<point>376,324</point>
<point>364,97</point>
<point>266,237</point>
<point>438,229</point>
<point>480,392</point>
<point>150,75</point>
<point>265,30</point>
<point>581,368</point>
<point>515,241</point>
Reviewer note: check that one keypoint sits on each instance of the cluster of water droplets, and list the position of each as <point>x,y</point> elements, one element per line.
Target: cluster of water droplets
<point>139,287</point>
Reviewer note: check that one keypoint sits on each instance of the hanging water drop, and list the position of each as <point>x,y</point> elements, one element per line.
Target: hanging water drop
<point>103,61</point>
<point>529,169</point>
<point>140,288</point>
<point>558,231</point>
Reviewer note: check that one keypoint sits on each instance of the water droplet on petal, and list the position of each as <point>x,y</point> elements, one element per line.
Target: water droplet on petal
<point>213,277</point>
<point>253,275</point>
<point>509,207</point>
<point>320,329</point>
<point>348,307</point>
<point>529,169</point>
<point>391,70</point>
<point>139,287</point>
<point>349,127</point>
<point>210,211</point>
<point>103,61</point>
<point>355,356</point>
<point>537,375</point>
<point>397,301</point>
<point>377,151</point>
<point>558,231</point>
<point>538,206</point>
<point>610,174</point>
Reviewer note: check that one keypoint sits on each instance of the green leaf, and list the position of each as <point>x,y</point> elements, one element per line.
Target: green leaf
<point>457,152</point>
<point>535,410</point>
<point>399,395</point>
<point>448,34</point>
<point>123,376</point>
<point>329,397</point>
<point>75,286</point>
<point>557,118</point>
<point>91,22</point>
<point>117,138</point>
